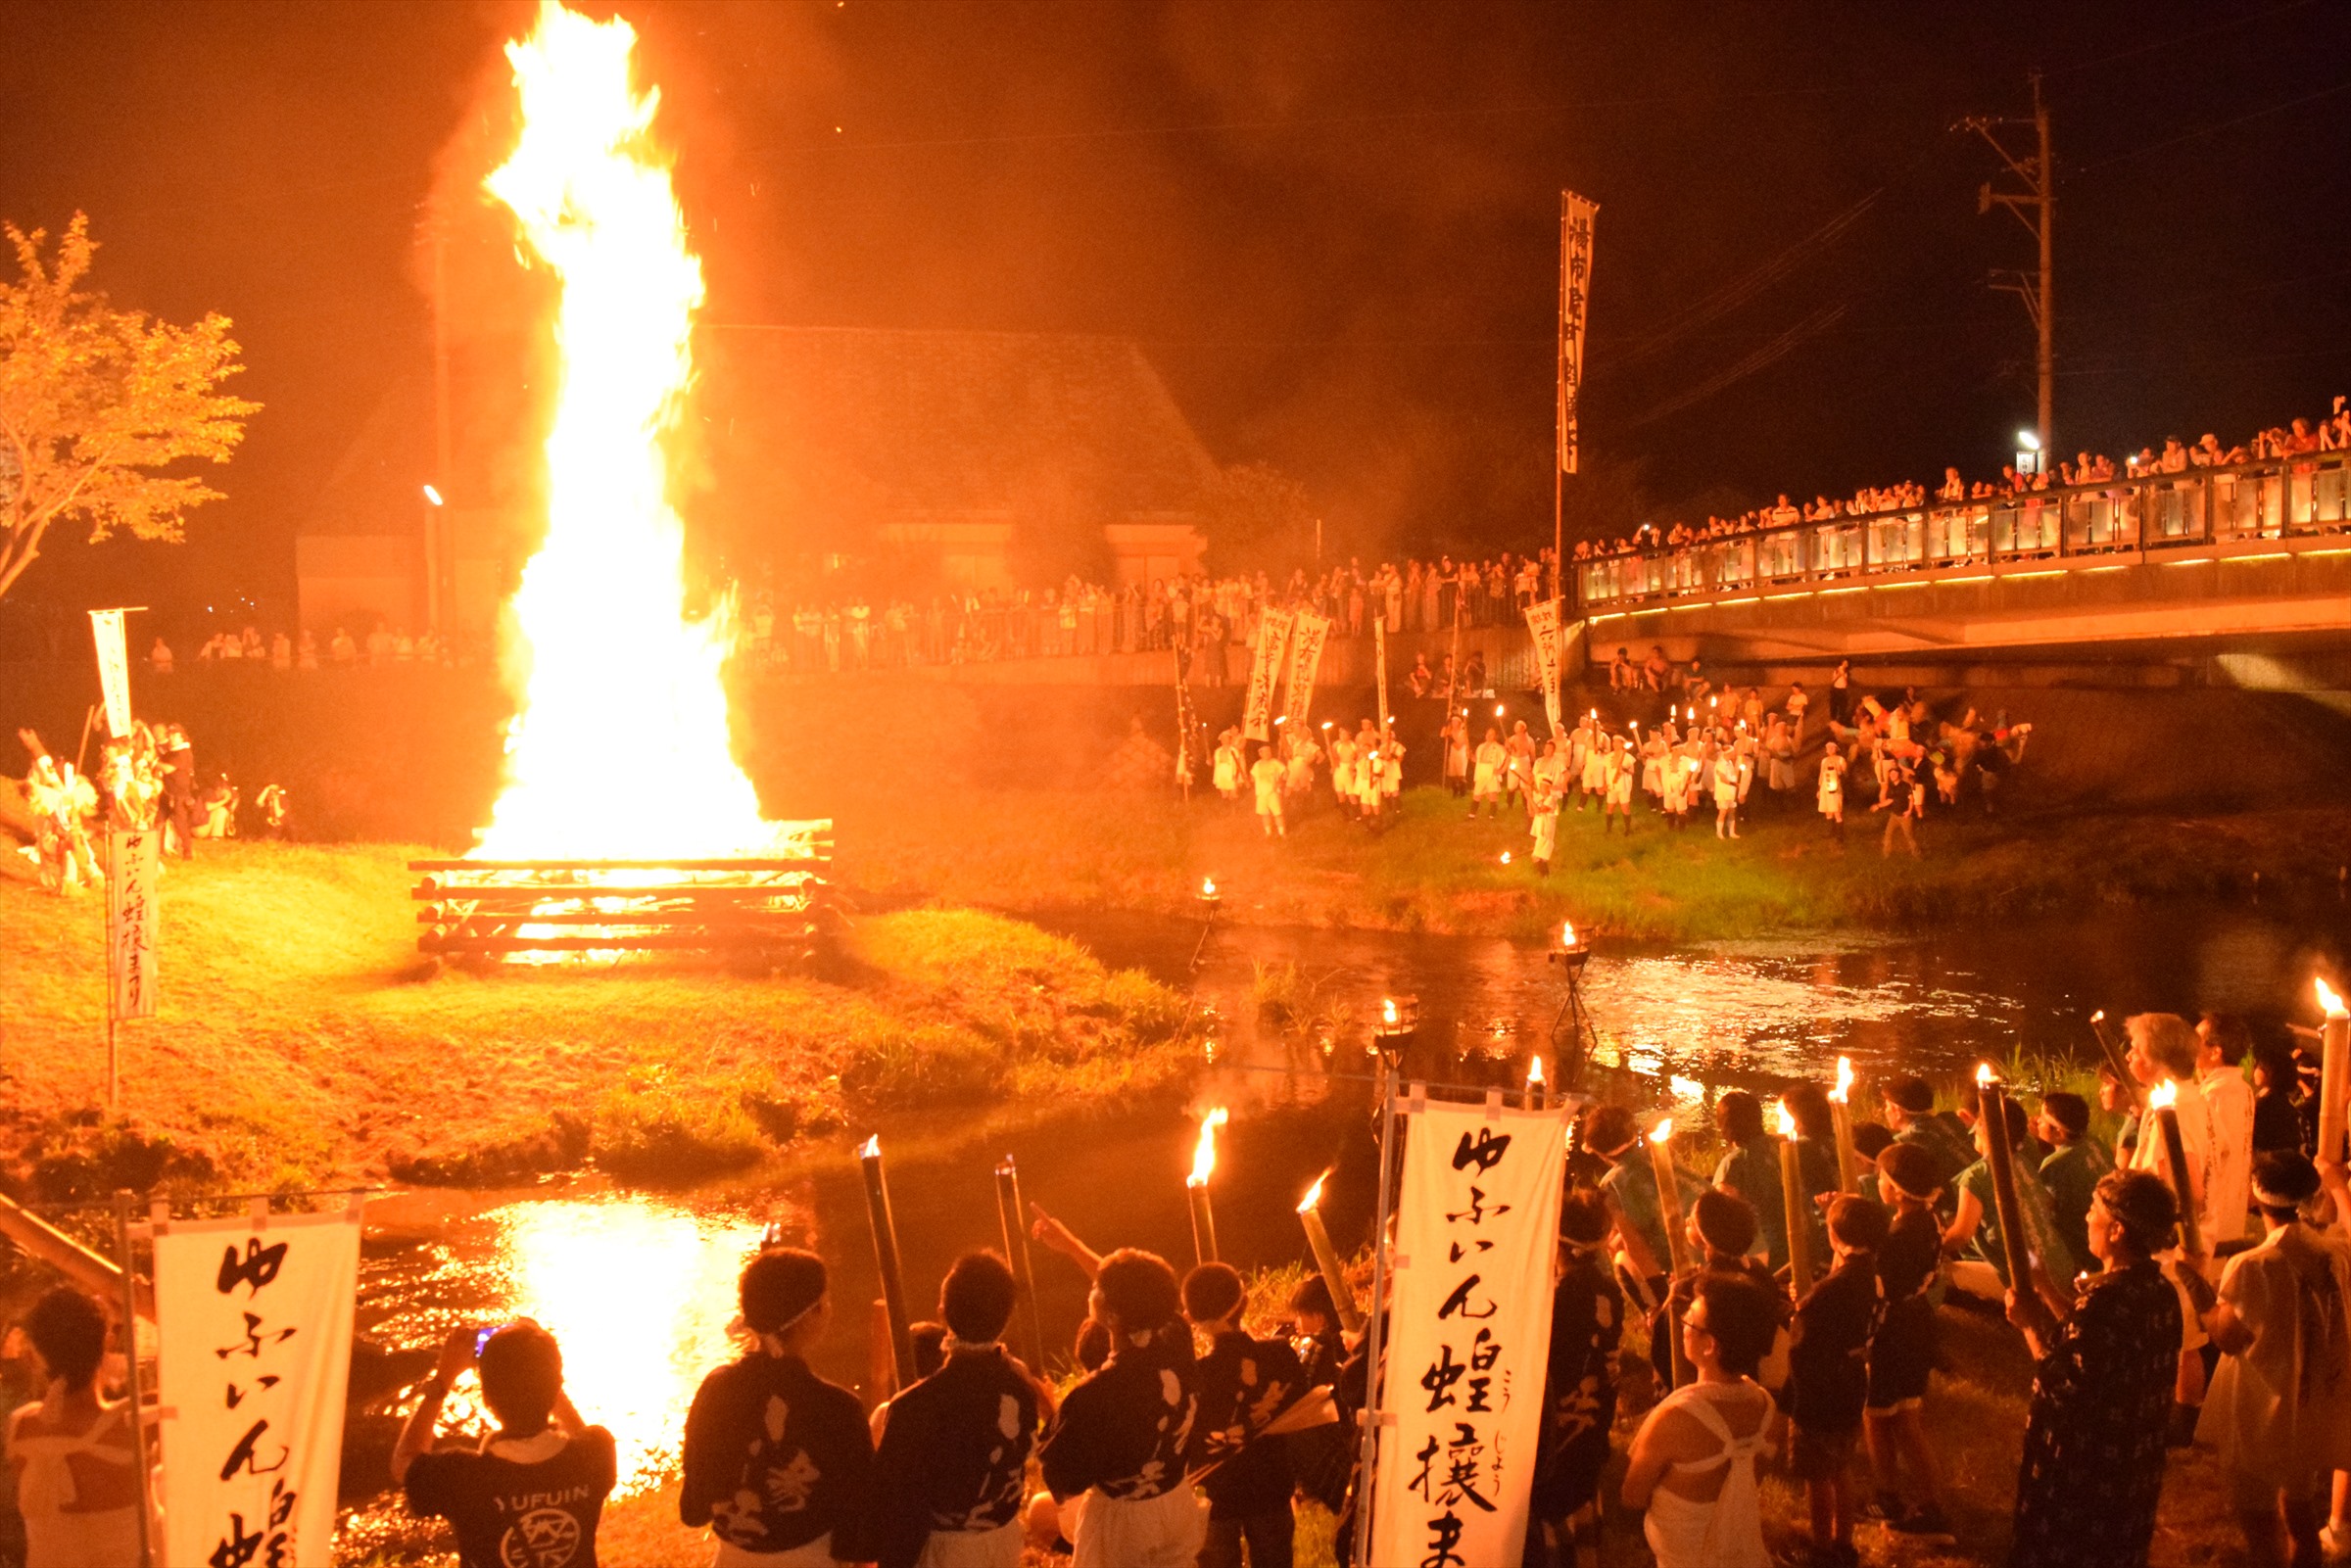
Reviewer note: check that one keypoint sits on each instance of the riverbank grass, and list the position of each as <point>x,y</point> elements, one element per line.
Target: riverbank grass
<point>1429,868</point>
<point>302,1040</point>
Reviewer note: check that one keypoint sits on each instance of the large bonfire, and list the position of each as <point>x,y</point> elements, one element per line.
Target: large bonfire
<point>621,750</point>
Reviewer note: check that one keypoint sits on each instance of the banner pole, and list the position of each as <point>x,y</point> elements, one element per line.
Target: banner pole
<point>113,885</point>
<point>1367,1462</point>
<point>130,1360</point>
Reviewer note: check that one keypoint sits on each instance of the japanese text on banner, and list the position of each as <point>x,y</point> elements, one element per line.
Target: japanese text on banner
<point>113,670</point>
<point>254,1331</point>
<point>1543,623</point>
<point>1478,1232</point>
<point>1575,282</point>
<point>1272,643</point>
<point>1306,661</point>
<point>132,920</point>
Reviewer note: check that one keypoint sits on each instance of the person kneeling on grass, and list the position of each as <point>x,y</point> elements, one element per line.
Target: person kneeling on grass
<point>536,1487</point>
<point>947,1489</point>
<point>1244,1383</point>
<point>776,1460</point>
<point>1114,1458</point>
<point>1829,1366</point>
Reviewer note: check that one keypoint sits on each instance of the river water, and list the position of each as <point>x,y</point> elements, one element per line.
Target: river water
<point>638,1286</point>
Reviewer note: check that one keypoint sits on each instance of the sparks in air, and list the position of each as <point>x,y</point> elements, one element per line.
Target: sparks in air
<point>620,748</point>
<point>1204,1153</point>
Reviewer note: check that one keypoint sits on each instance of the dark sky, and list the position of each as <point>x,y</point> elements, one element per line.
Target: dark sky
<point>1332,225</point>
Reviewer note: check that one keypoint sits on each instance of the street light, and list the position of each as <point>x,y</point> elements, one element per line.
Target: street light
<point>434,506</point>
<point>432,497</point>
<point>2028,452</point>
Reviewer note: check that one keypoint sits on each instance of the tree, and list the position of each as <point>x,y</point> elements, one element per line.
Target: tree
<point>1256,515</point>
<point>95,403</point>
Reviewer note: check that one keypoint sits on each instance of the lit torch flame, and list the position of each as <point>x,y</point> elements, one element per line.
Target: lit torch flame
<point>2162,1095</point>
<point>1663,1131</point>
<point>1786,1120</point>
<point>1568,934</point>
<point>1842,1093</point>
<point>1208,887</point>
<point>1534,1074</point>
<point>1314,1195</point>
<point>1985,1076</point>
<point>1387,1011</point>
<point>620,747</point>
<point>1204,1153</point>
<point>870,1149</point>
<point>2329,1003</point>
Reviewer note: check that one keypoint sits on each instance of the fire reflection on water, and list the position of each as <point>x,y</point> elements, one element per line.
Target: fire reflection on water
<point>638,1292</point>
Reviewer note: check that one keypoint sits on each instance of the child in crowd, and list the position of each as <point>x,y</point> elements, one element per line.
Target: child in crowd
<point>776,1460</point>
<point>1750,1170</point>
<point>1114,1458</point>
<point>1829,1364</point>
<point>70,1430</point>
<point>2072,1169</point>
<point>1244,1383</point>
<point>948,1475</point>
<point>1901,1354</point>
<point>1973,1240</point>
<point>1320,1455</point>
<point>1722,1232</point>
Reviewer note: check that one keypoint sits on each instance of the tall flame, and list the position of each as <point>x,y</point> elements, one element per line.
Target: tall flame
<point>1844,1092</point>
<point>620,748</point>
<point>2329,1003</point>
<point>1534,1074</point>
<point>1314,1195</point>
<point>1662,1132</point>
<point>1985,1076</point>
<point>1204,1153</point>
<point>2162,1095</point>
<point>1786,1120</point>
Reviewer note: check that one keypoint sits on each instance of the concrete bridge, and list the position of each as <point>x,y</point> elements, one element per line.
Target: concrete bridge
<point>2248,560</point>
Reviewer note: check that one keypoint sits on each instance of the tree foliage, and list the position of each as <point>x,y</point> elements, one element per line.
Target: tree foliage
<point>96,403</point>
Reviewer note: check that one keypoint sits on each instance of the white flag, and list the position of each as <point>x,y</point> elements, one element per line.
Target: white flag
<point>133,922</point>
<point>1543,622</point>
<point>1306,661</point>
<point>254,1326</point>
<point>1272,643</point>
<point>113,670</point>
<point>1468,1333</point>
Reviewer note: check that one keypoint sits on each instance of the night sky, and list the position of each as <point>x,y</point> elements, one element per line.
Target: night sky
<point>1332,226</point>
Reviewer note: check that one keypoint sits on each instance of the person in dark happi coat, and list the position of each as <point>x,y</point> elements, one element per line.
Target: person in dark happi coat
<point>2102,1384</point>
<point>1829,1373</point>
<point>948,1477</point>
<point>776,1460</point>
<point>1244,1382</point>
<point>1114,1458</point>
<point>1579,1389</point>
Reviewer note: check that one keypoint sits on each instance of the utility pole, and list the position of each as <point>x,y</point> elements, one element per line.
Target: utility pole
<point>2034,207</point>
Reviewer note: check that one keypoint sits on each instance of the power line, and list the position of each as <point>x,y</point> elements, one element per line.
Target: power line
<point>2207,130</point>
<point>2229,26</point>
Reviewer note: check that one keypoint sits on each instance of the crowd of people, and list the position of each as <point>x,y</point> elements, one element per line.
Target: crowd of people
<point>2292,440</point>
<point>145,780</point>
<point>1707,750</point>
<point>2189,1283</point>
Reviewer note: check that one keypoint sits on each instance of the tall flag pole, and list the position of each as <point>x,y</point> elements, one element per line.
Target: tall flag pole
<point>1575,280</point>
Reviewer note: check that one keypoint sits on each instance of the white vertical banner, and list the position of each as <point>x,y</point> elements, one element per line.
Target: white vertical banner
<point>132,920</point>
<point>114,669</point>
<point>1307,634</point>
<point>1264,670</point>
<point>1543,623</point>
<point>1468,1333</point>
<point>254,1323</point>
<point>1380,658</point>
<point>1575,284</point>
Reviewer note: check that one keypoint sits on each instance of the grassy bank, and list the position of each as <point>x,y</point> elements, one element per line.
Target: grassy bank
<point>300,1039</point>
<point>1430,870</point>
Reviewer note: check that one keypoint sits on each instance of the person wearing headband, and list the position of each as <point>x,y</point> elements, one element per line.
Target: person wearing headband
<point>2280,1407</point>
<point>777,1461</point>
<point>1902,1353</point>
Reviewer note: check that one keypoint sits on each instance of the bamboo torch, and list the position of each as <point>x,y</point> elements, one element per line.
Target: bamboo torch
<point>1195,1186</point>
<point>1796,1201</point>
<point>1015,1253</point>
<point>1326,1257</point>
<point>2163,1101</point>
<point>2115,1062</point>
<point>2334,1063</point>
<point>1669,1208</point>
<point>885,1260</point>
<point>1840,1117</point>
<point>1993,1116</point>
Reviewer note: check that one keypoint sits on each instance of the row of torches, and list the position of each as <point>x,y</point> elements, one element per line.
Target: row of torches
<point>2160,1102</point>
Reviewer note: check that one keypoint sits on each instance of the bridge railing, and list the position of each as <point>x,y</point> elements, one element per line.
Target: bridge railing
<point>2287,499</point>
